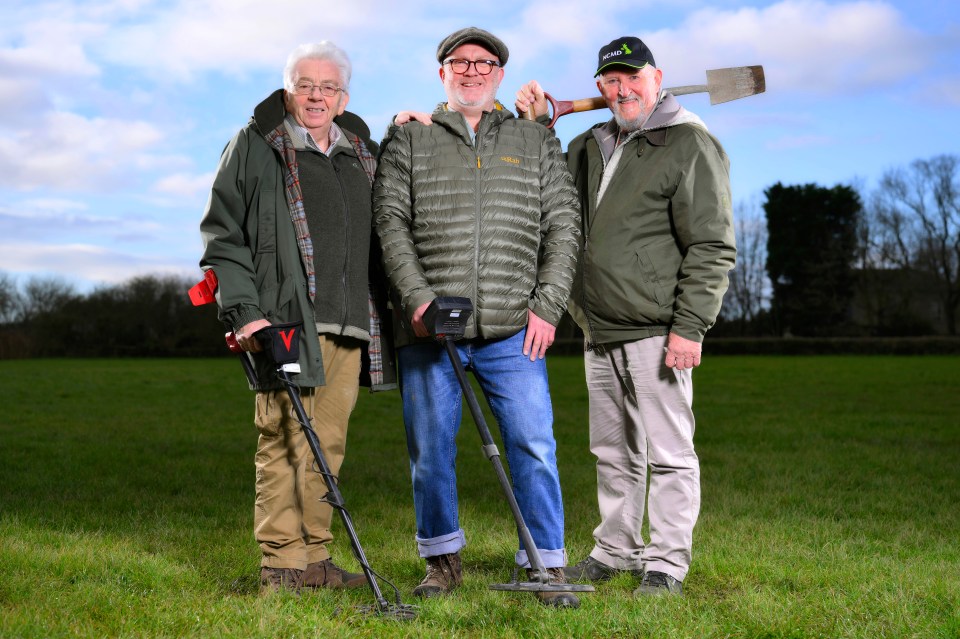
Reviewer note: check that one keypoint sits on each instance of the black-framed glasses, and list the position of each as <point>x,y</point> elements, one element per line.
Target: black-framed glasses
<point>483,67</point>
<point>306,88</point>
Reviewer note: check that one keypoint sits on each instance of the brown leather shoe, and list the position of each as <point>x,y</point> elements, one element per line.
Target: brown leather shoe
<point>326,574</point>
<point>444,573</point>
<point>274,580</point>
<point>555,598</point>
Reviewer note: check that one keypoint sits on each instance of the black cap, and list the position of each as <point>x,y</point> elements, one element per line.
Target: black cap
<point>627,51</point>
<point>477,36</point>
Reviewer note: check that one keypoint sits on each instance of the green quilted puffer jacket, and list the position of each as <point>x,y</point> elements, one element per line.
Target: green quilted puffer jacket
<point>494,218</point>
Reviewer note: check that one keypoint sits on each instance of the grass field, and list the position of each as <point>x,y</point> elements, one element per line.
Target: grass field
<point>831,508</point>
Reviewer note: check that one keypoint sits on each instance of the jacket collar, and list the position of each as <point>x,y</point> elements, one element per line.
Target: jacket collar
<point>457,123</point>
<point>269,114</point>
<point>668,113</point>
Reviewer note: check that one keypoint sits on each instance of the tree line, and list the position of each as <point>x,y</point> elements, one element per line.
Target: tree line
<point>148,316</point>
<point>834,261</point>
<point>820,262</point>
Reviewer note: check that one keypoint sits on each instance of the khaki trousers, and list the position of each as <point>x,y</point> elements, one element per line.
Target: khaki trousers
<point>641,425</point>
<point>291,523</point>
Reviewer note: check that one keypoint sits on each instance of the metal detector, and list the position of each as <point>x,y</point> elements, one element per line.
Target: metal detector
<point>446,319</point>
<point>281,345</point>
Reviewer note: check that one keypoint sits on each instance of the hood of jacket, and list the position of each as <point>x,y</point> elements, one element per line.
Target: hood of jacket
<point>668,113</point>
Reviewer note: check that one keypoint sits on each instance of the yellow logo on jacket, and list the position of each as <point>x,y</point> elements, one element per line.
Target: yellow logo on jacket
<point>507,158</point>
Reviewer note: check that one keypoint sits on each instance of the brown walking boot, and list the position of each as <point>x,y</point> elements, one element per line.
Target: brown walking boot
<point>326,574</point>
<point>444,573</point>
<point>555,598</point>
<point>274,580</point>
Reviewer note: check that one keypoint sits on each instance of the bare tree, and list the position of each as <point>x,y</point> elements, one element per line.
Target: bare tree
<point>44,296</point>
<point>746,295</point>
<point>9,298</point>
<point>917,224</point>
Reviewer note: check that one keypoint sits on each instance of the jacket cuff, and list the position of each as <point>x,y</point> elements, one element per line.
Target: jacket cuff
<point>244,315</point>
<point>689,332</point>
<point>416,301</point>
<point>544,312</point>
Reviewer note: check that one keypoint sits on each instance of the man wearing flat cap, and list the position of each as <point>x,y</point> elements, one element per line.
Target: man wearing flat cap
<point>480,205</point>
<point>658,243</point>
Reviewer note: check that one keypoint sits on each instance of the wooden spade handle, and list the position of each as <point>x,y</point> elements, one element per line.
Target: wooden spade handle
<point>563,107</point>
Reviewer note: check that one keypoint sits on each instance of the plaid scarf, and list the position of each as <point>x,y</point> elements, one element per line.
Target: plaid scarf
<point>280,140</point>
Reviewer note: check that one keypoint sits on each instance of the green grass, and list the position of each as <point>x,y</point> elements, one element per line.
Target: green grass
<point>831,505</point>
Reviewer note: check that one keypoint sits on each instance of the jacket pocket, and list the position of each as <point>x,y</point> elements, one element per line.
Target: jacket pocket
<point>267,221</point>
<point>651,281</point>
<point>268,415</point>
<point>275,300</point>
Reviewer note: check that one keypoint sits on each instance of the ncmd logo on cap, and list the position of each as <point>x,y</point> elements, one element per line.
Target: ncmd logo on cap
<point>626,51</point>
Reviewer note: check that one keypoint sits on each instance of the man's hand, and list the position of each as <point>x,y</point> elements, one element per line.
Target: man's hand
<point>682,353</point>
<point>419,328</point>
<point>531,94</point>
<point>539,336</point>
<point>409,116</point>
<point>245,336</point>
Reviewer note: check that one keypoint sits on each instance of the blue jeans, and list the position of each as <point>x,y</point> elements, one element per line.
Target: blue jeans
<point>519,398</point>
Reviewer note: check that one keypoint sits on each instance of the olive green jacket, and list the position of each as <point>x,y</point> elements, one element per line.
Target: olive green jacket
<point>261,250</point>
<point>658,246</point>
<point>493,218</point>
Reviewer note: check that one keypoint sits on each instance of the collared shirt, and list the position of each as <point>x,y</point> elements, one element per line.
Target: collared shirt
<point>303,138</point>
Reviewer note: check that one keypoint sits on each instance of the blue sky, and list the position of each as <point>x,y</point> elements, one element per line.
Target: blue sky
<point>113,114</point>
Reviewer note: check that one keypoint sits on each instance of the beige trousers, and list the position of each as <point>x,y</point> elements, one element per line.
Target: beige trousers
<point>641,426</point>
<point>291,523</point>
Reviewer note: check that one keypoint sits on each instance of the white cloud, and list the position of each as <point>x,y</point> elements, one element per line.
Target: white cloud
<point>185,184</point>
<point>85,264</point>
<point>52,48</point>
<point>229,36</point>
<point>69,151</point>
<point>58,220</point>
<point>806,46</point>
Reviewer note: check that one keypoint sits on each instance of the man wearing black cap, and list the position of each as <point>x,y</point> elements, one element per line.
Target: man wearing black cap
<point>658,243</point>
<point>479,205</point>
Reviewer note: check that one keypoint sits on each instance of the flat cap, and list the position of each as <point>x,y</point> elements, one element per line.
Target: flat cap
<point>476,36</point>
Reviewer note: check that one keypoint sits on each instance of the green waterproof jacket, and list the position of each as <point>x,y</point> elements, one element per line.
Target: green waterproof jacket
<point>250,241</point>
<point>658,246</point>
<point>493,218</point>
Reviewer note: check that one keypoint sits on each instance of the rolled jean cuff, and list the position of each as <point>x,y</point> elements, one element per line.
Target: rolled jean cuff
<point>550,558</point>
<point>443,545</point>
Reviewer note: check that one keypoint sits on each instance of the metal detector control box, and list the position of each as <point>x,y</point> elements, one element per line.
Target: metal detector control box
<point>448,316</point>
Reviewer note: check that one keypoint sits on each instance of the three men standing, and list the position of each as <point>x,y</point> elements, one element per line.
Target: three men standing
<point>479,204</point>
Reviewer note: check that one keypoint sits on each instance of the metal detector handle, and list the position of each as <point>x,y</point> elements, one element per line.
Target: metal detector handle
<point>235,347</point>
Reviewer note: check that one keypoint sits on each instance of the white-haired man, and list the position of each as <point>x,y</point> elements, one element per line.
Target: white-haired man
<point>287,231</point>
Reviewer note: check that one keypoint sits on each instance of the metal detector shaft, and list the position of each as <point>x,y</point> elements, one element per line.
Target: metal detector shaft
<point>491,453</point>
<point>334,498</point>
